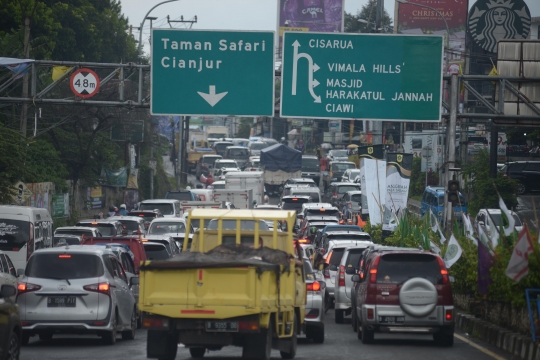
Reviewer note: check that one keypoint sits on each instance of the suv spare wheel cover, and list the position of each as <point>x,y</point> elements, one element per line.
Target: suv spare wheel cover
<point>418,297</point>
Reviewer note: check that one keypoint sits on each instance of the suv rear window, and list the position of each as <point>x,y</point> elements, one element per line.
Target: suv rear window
<point>177,195</point>
<point>73,232</point>
<point>322,213</point>
<point>165,208</point>
<point>64,266</point>
<point>335,259</point>
<point>290,204</point>
<point>398,268</point>
<point>238,152</point>
<point>104,229</point>
<point>353,259</point>
<point>344,188</point>
<point>156,252</point>
<point>130,225</point>
<point>349,237</point>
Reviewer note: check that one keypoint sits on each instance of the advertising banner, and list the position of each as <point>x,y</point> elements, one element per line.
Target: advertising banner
<point>398,178</point>
<point>94,197</point>
<point>60,205</point>
<point>375,190</point>
<point>334,126</point>
<point>310,15</point>
<point>367,152</point>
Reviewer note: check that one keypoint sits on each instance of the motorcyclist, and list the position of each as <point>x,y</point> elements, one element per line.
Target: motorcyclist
<point>111,211</point>
<point>283,141</point>
<point>123,210</point>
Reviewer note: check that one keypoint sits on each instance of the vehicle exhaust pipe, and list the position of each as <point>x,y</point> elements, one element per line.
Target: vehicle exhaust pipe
<point>370,327</point>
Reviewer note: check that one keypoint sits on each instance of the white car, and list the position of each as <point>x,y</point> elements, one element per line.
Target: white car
<point>224,163</point>
<point>173,227</point>
<point>491,220</point>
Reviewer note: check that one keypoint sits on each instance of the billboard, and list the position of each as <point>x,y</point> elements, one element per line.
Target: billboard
<point>310,15</point>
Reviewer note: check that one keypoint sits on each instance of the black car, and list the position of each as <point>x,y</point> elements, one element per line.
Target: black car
<point>526,173</point>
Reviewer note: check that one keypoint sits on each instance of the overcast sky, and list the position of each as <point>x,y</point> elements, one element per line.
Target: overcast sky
<point>230,14</point>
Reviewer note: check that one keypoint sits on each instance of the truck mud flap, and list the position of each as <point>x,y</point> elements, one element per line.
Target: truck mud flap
<point>161,344</point>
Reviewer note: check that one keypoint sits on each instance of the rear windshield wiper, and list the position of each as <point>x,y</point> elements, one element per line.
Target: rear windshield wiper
<point>57,278</point>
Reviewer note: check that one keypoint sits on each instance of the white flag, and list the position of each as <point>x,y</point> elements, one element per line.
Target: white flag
<point>453,252</point>
<point>435,226</point>
<point>511,221</point>
<point>518,267</point>
<point>469,231</point>
<point>434,247</point>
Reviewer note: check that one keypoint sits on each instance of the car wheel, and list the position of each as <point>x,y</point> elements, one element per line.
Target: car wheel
<point>368,336</point>
<point>109,337</point>
<point>338,316</point>
<point>45,336</point>
<point>130,334</point>
<point>14,347</point>
<point>445,337</point>
<point>354,319</point>
<point>197,353</point>
<point>326,302</point>
<point>521,188</point>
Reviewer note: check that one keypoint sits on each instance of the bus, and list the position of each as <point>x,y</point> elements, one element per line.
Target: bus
<point>24,229</point>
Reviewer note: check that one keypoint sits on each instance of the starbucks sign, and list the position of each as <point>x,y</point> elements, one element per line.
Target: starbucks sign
<point>494,20</point>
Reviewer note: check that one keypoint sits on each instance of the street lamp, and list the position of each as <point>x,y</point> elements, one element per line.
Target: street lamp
<point>144,19</point>
<point>437,11</point>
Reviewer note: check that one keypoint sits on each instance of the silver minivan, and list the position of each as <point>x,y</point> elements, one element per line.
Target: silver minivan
<point>76,290</point>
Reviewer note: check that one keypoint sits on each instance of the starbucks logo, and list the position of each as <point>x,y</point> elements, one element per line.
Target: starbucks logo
<point>494,20</point>
<point>451,252</point>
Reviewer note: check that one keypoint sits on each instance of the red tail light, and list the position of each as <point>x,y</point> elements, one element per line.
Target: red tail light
<point>27,287</point>
<point>341,276</point>
<point>444,272</point>
<point>449,315</point>
<point>370,314</point>
<point>103,288</point>
<point>315,286</point>
<point>373,270</point>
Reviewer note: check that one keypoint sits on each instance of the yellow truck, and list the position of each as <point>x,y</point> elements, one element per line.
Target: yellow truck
<point>238,284</point>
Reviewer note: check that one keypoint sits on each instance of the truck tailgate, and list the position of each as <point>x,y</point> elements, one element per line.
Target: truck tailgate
<point>220,292</point>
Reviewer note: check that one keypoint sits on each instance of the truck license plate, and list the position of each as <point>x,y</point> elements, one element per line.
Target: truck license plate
<point>61,301</point>
<point>391,319</point>
<point>222,326</point>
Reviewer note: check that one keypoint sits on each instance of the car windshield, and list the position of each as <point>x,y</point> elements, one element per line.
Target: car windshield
<point>222,146</point>
<point>345,188</point>
<point>14,234</point>
<point>342,167</point>
<point>238,152</point>
<point>66,240</point>
<point>356,197</point>
<point>248,225</point>
<point>498,217</point>
<point>258,146</point>
<point>310,164</point>
<point>145,216</point>
<point>157,228</point>
<point>74,232</point>
<point>64,266</point>
<point>104,229</point>
<point>226,165</point>
<point>218,186</point>
<point>305,184</point>
<point>130,225</point>
<point>165,208</point>
<point>164,242</point>
<point>398,268</point>
<point>156,252</point>
<point>290,204</point>
<point>339,153</point>
<point>349,237</point>
<point>178,195</point>
<point>335,258</point>
<point>210,159</point>
<point>354,173</point>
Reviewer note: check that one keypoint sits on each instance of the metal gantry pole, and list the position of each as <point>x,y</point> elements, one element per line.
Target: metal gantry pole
<point>179,149</point>
<point>451,142</point>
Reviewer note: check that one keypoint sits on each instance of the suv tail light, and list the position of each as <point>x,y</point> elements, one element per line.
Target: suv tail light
<point>370,314</point>
<point>449,315</point>
<point>444,272</point>
<point>103,288</point>
<point>314,286</point>
<point>27,287</point>
<point>341,276</point>
<point>373,270</point>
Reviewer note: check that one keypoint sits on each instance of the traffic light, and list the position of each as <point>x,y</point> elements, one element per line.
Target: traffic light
<point>453,192</point>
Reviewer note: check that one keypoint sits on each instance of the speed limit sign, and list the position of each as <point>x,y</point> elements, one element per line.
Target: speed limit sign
<point>84,83</point>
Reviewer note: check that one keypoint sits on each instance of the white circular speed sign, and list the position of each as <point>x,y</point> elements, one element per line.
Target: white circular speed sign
<point>84,83</point>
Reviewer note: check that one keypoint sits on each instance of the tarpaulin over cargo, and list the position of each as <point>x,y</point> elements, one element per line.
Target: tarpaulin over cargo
<point>224,256</point>
<point>281,157</point>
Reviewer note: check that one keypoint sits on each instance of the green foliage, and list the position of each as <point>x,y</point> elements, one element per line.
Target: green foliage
<point>417,184</point>
<point>375,232</point>
<point>480,185</point>
<point>11,162</point>
<point>367,13</point>
<point>244,129</point>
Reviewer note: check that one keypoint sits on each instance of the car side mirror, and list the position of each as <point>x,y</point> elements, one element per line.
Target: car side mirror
<point>355,278</point>
<point>350,271</point>
<point>134,280</point>
<point>7,291</point>
<point>20,272</point>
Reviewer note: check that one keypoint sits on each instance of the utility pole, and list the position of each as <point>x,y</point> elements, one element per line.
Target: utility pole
<point>494,134</point>
<point>152,161</point>
<point>451,142</point>
<point>179,157</point>
<point>185,146</point>
<point>24,112</point>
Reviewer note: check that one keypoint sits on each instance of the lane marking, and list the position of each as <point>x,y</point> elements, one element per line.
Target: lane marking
<point>481,348</point>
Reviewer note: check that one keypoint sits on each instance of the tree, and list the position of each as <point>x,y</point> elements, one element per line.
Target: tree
<point>481,186</point>
<point>244,129</point>
<point>367,13</point>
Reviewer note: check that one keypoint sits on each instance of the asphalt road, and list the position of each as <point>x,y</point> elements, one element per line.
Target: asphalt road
<point>340,343</point>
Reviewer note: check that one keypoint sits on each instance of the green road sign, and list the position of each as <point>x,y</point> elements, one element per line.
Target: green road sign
<point>198,72</point>
<point>132,131</point>
<point>362,76</point>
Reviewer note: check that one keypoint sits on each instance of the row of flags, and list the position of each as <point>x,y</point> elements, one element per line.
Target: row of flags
<point>518,266</point>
